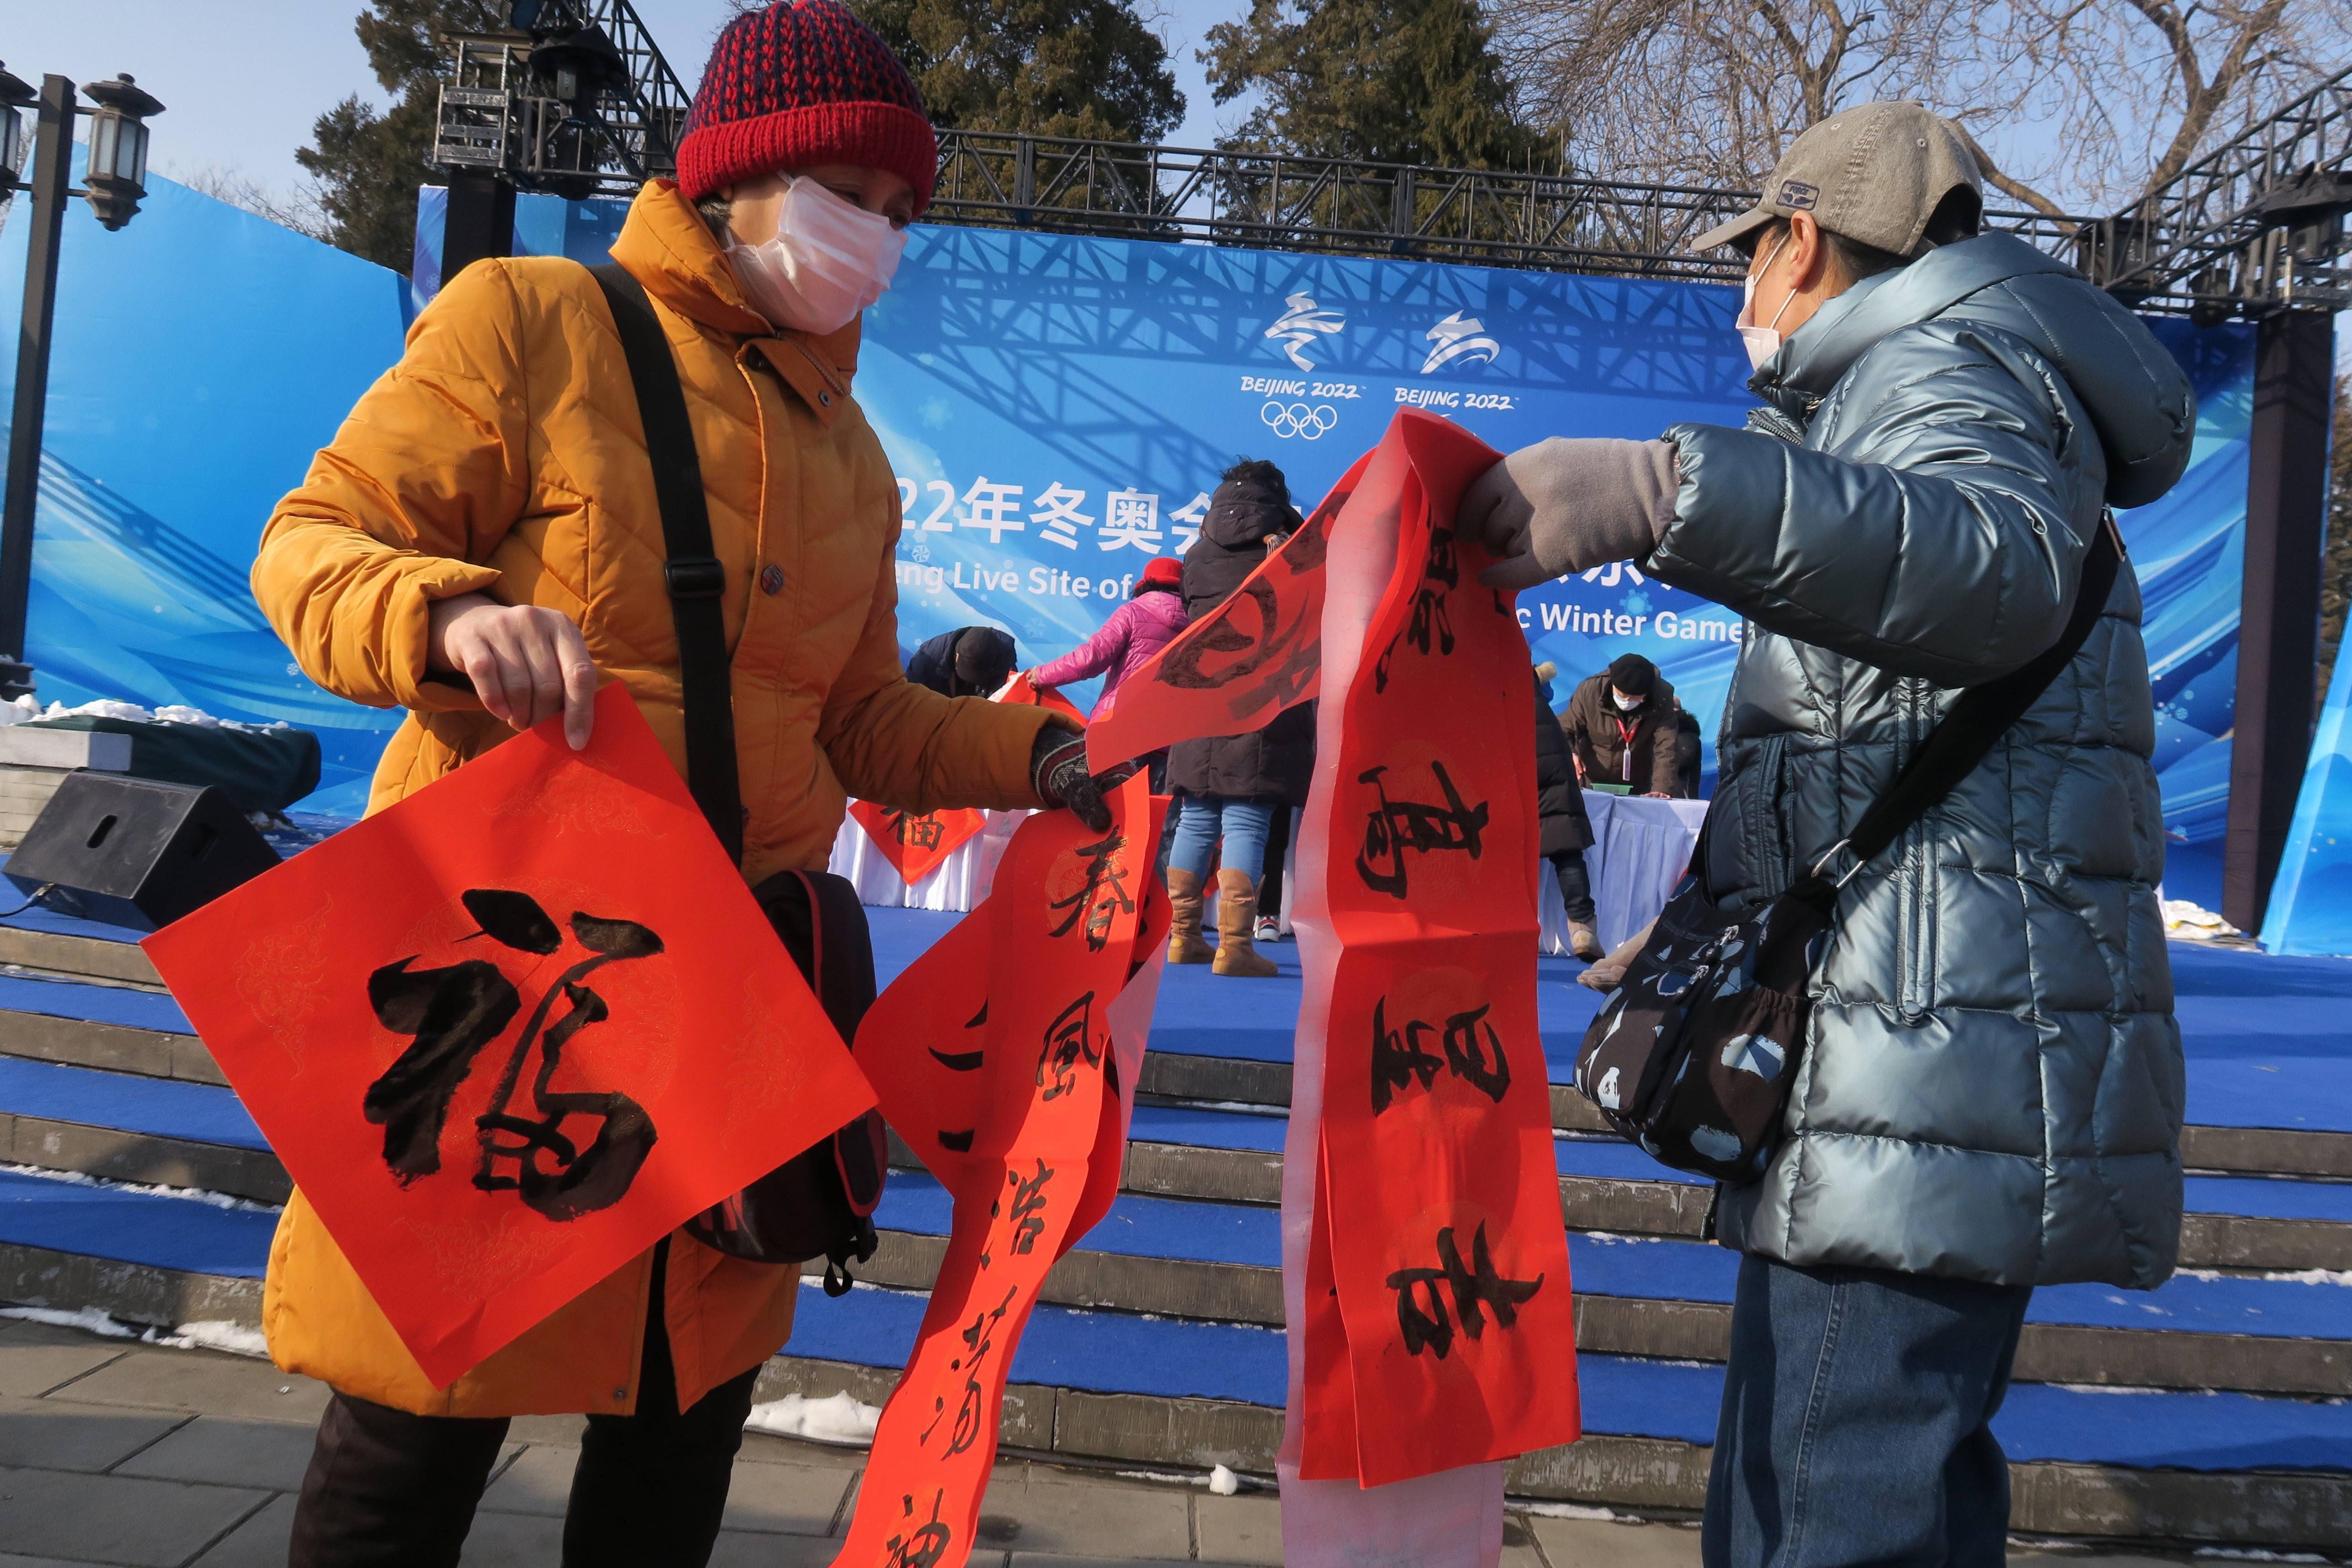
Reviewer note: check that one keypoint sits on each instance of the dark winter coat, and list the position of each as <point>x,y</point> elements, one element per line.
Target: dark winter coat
<point>1275,762</point>
<point>1592,720</point>
<point>933,664</point>
<point>1991,1084</point>
<point>1560,803</point>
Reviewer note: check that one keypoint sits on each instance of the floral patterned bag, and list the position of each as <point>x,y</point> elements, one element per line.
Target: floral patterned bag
<point>1692,1057</point>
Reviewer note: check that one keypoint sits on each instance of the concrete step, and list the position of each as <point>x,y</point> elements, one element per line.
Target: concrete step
<point>2216,1469</point>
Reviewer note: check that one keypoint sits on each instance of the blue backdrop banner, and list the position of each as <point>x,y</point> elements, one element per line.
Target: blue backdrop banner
<point>1056,410</point>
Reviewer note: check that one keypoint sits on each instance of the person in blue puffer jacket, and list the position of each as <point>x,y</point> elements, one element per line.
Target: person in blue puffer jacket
<point>1990,1094</point>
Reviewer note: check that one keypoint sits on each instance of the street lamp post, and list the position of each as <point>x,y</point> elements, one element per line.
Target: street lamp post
<point>117,174</point>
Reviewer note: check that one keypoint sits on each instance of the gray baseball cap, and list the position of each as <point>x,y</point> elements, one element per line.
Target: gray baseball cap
<point>1872,175</point>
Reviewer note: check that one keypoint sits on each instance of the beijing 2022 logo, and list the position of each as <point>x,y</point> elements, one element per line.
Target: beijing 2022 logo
<point>1288,419</point>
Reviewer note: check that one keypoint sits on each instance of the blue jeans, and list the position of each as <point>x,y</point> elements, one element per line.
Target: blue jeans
<point>1855,1421</point>
<point>1241,825</point>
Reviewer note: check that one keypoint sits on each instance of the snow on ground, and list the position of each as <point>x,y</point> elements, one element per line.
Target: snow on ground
<point>837,1418</point>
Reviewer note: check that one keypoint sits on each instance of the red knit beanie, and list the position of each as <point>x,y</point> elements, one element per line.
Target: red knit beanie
<point>803,82</point>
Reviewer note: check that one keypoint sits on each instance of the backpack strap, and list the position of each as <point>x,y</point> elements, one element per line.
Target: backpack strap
<point>694,576</point>
<point>1968,733</point>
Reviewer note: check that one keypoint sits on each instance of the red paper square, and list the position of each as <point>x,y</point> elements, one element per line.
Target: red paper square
<point>296,982</point>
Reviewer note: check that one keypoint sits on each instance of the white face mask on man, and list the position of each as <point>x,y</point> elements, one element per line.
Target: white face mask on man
<point>1764,341</point>
<point>830,259</point>
<point>1625,703</point>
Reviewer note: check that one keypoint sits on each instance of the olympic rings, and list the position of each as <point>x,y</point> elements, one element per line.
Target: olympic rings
<point>1298,419</point>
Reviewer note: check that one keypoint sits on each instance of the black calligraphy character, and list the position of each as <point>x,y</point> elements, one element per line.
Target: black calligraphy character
<point>1395,827</point>
<point>1397,1058</point>
<point>1432,626</point>
<point>1476,1288</point>
<point>580,1181</point>
<point>979,1340</point>
<point>1467,1055</point>
<point>453,1013</point>
<point>1221,634</point>
<point>1104,895</point>
<point>1069,1040</point>
<point>922,832</point>
<point>924,1546</point>
<point>1028,1203</point>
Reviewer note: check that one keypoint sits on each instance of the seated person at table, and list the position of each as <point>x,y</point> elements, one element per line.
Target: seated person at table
<point>1621,725</point>
<point>970,661</point>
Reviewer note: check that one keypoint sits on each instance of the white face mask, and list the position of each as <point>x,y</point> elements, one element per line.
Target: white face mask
<point>1627,703</point>
<point>1762,341</point>
<point>830,260</point>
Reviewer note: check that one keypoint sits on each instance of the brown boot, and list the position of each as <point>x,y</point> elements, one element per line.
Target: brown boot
<point>1582,942</point>
<point>1185,943</point>
<point>1236,914</point>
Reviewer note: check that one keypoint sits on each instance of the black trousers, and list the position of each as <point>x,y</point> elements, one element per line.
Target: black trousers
<point>389,1489</point>
<point>1575,884</point>
<point>1277,848</point>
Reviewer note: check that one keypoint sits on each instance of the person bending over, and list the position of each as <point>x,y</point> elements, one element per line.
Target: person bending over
<point>1621,722</point>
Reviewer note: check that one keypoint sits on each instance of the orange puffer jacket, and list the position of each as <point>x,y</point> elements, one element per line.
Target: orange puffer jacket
<point>504,455</point>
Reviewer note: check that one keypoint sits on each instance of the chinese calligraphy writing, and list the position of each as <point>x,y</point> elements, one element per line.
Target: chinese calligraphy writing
<point>1069,1040</point>
<point>1102,895</point>
<point>1397,1058</point>
<point>451,1015</point>
<point>1475,1287</point>
<point>1394,827</point>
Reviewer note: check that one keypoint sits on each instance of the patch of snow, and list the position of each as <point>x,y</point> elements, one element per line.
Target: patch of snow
<point>213,1334</point>
<point>2256,1554</point>
<point>130,712</point>
<point>2193,924</point>
<point>2314,1276</point>
<point>19,709</point>
<point>88,1318</point>
<point>1223,1482</point>
<point>193,1195</point>
<point>838,1418</point>
<point>1568,1510</point>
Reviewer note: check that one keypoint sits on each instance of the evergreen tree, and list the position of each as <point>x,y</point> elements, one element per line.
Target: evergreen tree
<point>368,164</point>
<point>1400,81</point>
<point>1090,68</point>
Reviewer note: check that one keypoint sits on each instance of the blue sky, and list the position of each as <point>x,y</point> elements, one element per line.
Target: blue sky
<point>244,80</point>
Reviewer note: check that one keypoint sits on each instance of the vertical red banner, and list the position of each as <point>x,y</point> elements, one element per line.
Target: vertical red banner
<point>1439,1330</point>
<point>1005,1057</point>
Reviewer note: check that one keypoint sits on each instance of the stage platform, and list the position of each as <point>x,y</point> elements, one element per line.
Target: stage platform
<point>2210,1410</point>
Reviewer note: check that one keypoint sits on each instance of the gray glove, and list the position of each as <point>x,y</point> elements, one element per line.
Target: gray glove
<point>1563,506</point>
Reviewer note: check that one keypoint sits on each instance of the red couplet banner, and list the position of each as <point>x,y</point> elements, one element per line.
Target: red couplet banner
<point>511,1031</point>
<point>1439,1327</point>
<point>1007,1057</point>
<point>1231,672</point>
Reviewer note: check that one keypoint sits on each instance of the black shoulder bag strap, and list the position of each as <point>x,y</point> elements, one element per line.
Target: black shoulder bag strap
<point>1968,733</point>
<point>695,575</point>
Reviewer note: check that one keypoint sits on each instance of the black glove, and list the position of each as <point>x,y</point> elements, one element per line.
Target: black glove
<point>1057,772</point>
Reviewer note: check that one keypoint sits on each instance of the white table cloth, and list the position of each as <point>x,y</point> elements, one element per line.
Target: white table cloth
<point>1640,848</point>
<point>958,883</point>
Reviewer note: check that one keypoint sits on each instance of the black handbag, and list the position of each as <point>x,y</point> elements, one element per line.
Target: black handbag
<point>1693,1056</point>
<point>821,1202</point>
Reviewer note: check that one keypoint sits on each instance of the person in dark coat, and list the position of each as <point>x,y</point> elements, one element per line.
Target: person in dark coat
<point>1689,750</point>
<point>970,661</point>
<point>1622,725</point>
<point>1233,784</point>
<point>1565,833</point>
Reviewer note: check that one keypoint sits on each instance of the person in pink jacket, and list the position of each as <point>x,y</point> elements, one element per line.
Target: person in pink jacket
<point>1146,623</point>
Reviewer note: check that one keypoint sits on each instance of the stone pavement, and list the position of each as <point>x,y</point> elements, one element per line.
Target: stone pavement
<point>121,1453</point>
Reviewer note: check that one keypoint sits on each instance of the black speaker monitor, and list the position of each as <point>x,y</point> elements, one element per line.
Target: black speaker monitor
<point>135,852</point>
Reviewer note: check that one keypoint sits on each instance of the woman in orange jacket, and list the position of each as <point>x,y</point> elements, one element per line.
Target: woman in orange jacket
<point>481,545</point>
